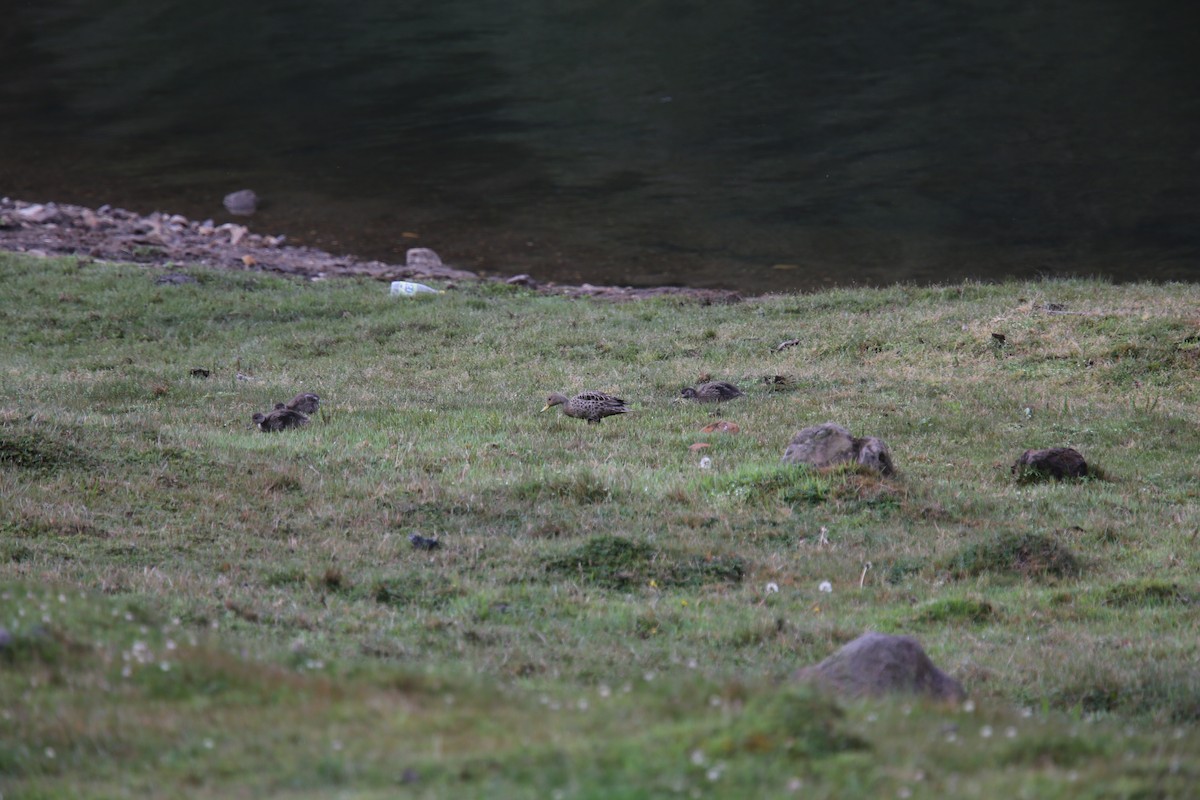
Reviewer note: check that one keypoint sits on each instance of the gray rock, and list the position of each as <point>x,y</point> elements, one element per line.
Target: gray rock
<point>829,443</point>
<point>873,452</point>
<point>422,258</point>
<point>1055,462</point>
<point>878,663</point>
<point>244,202</point>
<point>39,213</point>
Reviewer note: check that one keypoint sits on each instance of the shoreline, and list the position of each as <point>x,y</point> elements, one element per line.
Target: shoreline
<point>161,239</point>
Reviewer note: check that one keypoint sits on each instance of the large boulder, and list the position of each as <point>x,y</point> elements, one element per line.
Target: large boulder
<point>828,444</point>
<point>1055,462</point>
<point>879,663</point>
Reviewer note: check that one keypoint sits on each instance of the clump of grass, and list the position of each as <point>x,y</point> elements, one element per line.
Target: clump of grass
<point>39,452</point>
<point>1149,593</point>
<point>583,488</point>
<point>758,484</point>
<point>897,570</point>
<point>422,590</point>
<point>956,609</point>
<point>797,722</point>
<point>1030,555</point>
<point>1051,749</point>
<point>616,562</point>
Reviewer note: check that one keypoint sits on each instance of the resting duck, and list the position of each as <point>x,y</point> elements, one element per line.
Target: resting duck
<point>280,419</point>
<point>305,403</point>
<point>592,406</point>
<point>715,392</point>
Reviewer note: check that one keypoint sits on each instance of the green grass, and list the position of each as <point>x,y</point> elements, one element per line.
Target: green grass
<point>199,609</point>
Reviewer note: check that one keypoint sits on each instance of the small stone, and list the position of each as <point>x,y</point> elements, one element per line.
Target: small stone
<point>39,213</point>
<point>873,452</point>
<point>522,280</point>
<point>422,258</point>
<point>243,203</point>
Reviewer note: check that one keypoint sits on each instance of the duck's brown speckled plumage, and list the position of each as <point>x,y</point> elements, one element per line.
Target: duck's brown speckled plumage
<point>305,403</point>
<point>714,392</point>
<point>592,406</point>
<point>280,419</point>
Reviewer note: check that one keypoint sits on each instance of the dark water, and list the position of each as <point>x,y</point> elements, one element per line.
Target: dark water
<point>754,144</point>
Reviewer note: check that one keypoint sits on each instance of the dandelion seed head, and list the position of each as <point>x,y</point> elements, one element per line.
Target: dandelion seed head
<point>826,587</point>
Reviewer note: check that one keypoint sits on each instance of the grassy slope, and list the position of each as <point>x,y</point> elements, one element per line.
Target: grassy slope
<point>201,609</point>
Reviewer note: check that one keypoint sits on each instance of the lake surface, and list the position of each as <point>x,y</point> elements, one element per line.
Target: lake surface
<point>757,144</point>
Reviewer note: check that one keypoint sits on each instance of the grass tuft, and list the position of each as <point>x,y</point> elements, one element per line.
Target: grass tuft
<point>1030,555</point>
<point>615,562</point>
<point>1142,594</point>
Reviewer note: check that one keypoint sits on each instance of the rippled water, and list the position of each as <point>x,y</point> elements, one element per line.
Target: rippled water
<point>757,144</point>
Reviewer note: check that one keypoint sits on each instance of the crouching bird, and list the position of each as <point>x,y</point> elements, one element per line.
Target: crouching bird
<point>305,403</point>
<point>715,392</point>
<point>592,406</point>
<point>280,419</point>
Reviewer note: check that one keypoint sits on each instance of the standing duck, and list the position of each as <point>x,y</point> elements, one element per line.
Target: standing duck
<point>715,392</point>
<point>592,406</point>
<point>280,419</point>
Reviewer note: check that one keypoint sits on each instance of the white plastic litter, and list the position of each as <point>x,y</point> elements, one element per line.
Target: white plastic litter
<point>409,289</point>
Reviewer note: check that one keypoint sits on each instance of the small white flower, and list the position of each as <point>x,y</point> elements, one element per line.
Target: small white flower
<point>986,731</point>
<point>50,752</point>
<point>772,587</point>
<point>698,758</point>
<point>208,744</point>
<point>826,587</point>
<point>706,463</point>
